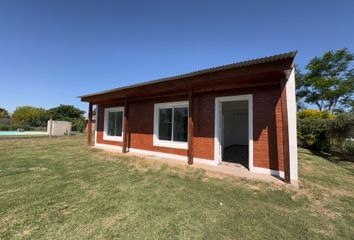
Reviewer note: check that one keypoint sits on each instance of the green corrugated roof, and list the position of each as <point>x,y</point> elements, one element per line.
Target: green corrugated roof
<point>274,58</point>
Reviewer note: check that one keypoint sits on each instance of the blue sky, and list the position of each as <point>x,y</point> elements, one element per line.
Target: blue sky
<point>53,51</point>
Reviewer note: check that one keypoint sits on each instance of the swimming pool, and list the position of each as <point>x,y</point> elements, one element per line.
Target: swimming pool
<point>15,133</point>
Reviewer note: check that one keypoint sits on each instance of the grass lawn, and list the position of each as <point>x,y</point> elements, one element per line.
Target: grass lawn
<point>62,189</point>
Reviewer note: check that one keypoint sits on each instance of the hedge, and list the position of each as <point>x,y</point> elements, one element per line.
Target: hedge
<point>325,132</point>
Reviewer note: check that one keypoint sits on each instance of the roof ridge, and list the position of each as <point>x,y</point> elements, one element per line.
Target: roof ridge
<point>255,61</point>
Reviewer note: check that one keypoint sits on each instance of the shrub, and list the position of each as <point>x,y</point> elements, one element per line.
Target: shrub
<point>314,114</point>
<point>341,131</point>
<point>313,126</point>
<point>15,127</point>
<point>323,131</point>
<point>313,129</point>
<point>5,121</point>
<point>313,133</point>
<point>4,127</point>
<point>30,116</point>
<point>79,124</point>
<point>348,146</point>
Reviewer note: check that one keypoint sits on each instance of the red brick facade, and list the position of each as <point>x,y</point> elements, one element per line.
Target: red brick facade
<point>267,125</point>
<point>265,79</point>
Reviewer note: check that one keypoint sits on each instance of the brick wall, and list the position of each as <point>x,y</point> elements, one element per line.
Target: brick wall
<point>141,126</point>
<point>267,129</point>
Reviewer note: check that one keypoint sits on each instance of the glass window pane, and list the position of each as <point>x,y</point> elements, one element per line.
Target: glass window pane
<point>111,123</point>
<point>180,124</point>
<point>115,123</point>
<point>119,124</point>
<point>165,124</point>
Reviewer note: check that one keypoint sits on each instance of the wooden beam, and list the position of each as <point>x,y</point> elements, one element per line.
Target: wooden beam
<point>173,94</point>
<point>206,87</point>
<point>126,129</point>
<point>184,84</point>
<point>89,125</point>
<point>190,129</point>
<point>286,151</point>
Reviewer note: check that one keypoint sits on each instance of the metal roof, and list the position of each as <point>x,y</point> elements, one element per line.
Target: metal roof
<point>258,61</point>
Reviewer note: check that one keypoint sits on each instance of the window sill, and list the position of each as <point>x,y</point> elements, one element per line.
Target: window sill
<point>111,138</point>
<point>169,144</point>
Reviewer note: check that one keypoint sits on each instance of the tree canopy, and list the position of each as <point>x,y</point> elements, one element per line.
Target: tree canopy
<point>69,113</point>
<point>4,113</point>
<point>328,81</point>
<point>30,116</point>
<point>65,113</point>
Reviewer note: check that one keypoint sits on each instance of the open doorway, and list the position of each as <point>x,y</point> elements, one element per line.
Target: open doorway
<point>234,130</point>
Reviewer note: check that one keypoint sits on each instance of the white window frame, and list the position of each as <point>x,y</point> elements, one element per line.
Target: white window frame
<point>105,132</point>
<point>166,143</point>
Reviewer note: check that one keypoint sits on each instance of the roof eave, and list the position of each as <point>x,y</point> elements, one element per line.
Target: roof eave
<point>280,57</point>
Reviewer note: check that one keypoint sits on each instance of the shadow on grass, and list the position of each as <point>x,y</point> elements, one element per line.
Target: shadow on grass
<point>340,161</point>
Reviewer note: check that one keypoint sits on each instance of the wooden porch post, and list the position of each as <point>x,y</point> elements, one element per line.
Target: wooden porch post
<point>89,125</point>
<point>284,111</point>
<point>126,130</point>
<point>190,129</point>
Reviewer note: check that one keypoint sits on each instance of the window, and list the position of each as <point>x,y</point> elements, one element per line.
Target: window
<point>113,124</point>
<point>165,124</point>
<point>171,125</point>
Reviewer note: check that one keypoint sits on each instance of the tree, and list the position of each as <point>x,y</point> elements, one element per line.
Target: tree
<point>4,113</point>
<point>351,105</point>
<point>299,81</point>
<point>341,129</point>
<point>65,113</point>
<point>69,113</point>
<point>329,81</point>
<point>30,116</point>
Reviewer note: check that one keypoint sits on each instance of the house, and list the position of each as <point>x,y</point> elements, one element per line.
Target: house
<point>244,113</point>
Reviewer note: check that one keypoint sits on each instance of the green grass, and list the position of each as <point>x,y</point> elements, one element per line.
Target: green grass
<point>62,189</point>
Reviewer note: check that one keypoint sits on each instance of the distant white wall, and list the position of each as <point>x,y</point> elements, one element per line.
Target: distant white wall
<point>59,128</point>
<point>235,126</point>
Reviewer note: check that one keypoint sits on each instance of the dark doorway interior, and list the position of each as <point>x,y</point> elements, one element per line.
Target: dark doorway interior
<point>236,154</point>
<point>235,132</point>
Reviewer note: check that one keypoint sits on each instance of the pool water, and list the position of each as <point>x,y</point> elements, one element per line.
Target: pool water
<point>15,133</point>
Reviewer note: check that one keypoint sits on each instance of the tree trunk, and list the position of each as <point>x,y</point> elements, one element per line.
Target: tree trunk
<point>319,106</point>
